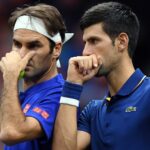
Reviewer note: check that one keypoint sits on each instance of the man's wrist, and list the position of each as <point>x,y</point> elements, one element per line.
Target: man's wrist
<point>75,81</point>
<point>71,94</point>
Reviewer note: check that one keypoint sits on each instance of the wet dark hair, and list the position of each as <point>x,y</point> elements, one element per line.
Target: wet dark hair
<point>115,18</point>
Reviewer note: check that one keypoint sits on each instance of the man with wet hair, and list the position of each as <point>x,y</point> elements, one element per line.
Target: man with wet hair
<point>27,118</point>
<point>121,121</point>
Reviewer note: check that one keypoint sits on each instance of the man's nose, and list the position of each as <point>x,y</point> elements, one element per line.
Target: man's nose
<point>87,51</point>
<point>23,51</point>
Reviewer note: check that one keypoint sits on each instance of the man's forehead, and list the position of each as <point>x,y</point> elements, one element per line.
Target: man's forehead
<point>27,34</point>
<point>91,35</point>
<point>93,31</point>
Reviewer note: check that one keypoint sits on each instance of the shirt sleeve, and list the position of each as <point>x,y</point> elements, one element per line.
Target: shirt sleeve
<point>45,112</point>
<point>84,120</point>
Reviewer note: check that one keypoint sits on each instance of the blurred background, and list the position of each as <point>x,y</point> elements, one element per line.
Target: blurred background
<point>72,11</point>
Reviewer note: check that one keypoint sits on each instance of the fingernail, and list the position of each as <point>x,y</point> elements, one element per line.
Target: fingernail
<point>95,65</point>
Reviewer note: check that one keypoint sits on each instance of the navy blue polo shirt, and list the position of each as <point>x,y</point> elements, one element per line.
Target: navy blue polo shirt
<point>121,122</point>
<point>41,102</point>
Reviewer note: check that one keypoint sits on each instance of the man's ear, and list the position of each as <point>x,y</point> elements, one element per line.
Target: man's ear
<point>57,50</point>
<point>122,41</point>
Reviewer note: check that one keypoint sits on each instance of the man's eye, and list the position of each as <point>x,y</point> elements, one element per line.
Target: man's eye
<point>17,44</point>
<point>93,41</point>
<point>34,46</point>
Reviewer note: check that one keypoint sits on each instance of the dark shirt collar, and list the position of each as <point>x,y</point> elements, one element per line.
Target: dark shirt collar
<point>130,85</point>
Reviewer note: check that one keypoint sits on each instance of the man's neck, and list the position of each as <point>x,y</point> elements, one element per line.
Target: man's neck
<point>46,76</point>
<point>117,78</point>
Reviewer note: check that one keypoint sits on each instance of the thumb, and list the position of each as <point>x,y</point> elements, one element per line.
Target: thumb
<point>27,57</point>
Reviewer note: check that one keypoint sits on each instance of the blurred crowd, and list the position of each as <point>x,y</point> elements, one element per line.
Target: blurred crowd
<point>72,10</point>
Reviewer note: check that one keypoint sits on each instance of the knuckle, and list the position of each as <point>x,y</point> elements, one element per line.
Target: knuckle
<point>72,59</point>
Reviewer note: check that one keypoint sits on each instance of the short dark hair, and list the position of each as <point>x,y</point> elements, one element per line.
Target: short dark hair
<point>49,14</point>
<point>115,18</point>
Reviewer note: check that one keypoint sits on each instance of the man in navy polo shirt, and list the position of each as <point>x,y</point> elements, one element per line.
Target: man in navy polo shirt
<point>27,120</point>
<point>122,120</point>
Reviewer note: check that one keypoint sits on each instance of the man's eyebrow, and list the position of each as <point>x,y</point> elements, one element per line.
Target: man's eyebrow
<point>34,42</point>
<point>92,38</point>
<point>14,40</point>
<point>28,42</point>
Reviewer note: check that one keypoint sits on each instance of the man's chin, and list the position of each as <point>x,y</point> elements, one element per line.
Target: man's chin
<point>28,74</point>
<point>98,75</point>
<point>101,72</point>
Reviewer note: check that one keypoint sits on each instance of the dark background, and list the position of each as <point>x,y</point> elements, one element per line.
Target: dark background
<point>72,10</point>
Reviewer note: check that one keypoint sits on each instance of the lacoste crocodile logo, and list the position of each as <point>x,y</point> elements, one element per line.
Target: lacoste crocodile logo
<point>130,109</point>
